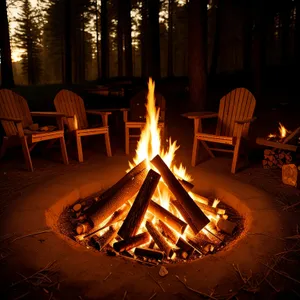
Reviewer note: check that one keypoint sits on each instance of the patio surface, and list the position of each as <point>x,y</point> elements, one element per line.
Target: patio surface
<point>26,196</point>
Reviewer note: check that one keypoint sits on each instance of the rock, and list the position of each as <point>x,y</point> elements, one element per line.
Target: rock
<point>163,271</point>
<point>77,207</point>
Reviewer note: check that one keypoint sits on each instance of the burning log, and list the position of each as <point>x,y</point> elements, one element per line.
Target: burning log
<point>213,210</point>
<point>136,214</point>
<point>83,228</point>
<point>117,195</point>
<point>291,175</point>
<point>151,244</point>
<point>132,242</point>
<point>199,242</point>
<point>116,217</point>
<point>167,217</point>
<point>226,226</point>
<point>104,239</point>
<point>192,213</point>
<point>187,185</point>
<point>159,239</point>
<point>167,232</point>
<point>216,240</point>
<point>124,180</point>
<point>185,247</point>
<point>149,253</point>
<point>199,198</point>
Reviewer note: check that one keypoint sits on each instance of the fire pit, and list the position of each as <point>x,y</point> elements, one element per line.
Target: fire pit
<point>151,214</point>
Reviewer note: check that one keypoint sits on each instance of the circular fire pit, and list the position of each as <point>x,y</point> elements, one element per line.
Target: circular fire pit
<point>42,205</point>
<point>172,247</point>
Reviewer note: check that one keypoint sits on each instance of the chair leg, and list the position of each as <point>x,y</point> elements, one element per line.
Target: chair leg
<point>63,149</point>
<point>126,140</point>
<point>3,146</point>
<point>235,156</point>
<point>26,153</point>
<point>79,148</point>
<point>195,151</point>
<point>207,149</point>
<point>107,144</point>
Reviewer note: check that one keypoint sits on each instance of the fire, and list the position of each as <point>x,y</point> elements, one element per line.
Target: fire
<point>282,133</point>
<point>149,145</point>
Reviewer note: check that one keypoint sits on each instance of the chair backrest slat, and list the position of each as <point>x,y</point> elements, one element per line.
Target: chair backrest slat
<point>15,106</point>
<point>71,104</point>
<point>239,104</point>
<point>138,109</point>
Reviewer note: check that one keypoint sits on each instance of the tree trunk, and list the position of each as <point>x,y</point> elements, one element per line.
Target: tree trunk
<point>170,39</point>
<point>247,38</point>
<point>297,34</point>
<point>120,38</point>
<point>104,40</point>
<point>259,47</point>
<point>6,63</point>
<point>127,37</point>
<point>97,40</point>
<point>197,50</point>
<point>285,16</point>
<point>154,39</point>
<point>216,46</point>
<point>68,43</point>
<point>144,38</point>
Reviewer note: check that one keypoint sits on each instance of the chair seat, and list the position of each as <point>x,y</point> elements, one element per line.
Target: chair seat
<point>44,136</point>
<point>92,131</point>
<point>228,140</point>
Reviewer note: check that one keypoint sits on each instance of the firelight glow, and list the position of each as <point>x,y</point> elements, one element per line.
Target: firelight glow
<point>150,145</point>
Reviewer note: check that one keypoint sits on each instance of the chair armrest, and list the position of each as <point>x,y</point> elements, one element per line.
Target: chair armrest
<point>242,122</point>
<point>11,119</point>
<point>104,115</point>
<point>200,115</point>
<point>47,114</point>
<point>98,112</point>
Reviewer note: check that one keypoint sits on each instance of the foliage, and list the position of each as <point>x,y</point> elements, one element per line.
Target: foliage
<point>28,37</point>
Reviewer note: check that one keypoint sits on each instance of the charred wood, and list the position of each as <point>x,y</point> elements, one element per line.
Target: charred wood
<point>132,242</point>
<point>159,239</point>
<point>138,210</point>
<point>192,213</point>
<point>149,253</point>
<point>117,195</point>
<point>167,217</point>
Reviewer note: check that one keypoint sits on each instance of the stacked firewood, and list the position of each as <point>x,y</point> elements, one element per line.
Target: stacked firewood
<point>126,220</point>
<point>276,158</point>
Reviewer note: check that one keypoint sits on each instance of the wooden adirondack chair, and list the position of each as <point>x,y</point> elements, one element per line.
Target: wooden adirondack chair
<point>234,117</point>
<point>72,106</point>
<point>16,119</point>
<point>137,112</point>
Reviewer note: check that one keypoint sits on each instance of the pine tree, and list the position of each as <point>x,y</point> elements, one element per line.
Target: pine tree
<point>28,38</point>
<point>6,64</point>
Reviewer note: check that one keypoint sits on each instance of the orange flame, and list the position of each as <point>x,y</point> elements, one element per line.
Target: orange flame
<point>150,145</point>
<point>282,131</point>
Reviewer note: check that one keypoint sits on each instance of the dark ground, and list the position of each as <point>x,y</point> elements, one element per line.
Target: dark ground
<point>14,179</point>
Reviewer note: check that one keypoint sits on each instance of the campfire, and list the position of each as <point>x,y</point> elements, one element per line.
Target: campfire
<point>151,215</point>
<point>284,142</point>
<point>279,137</point>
